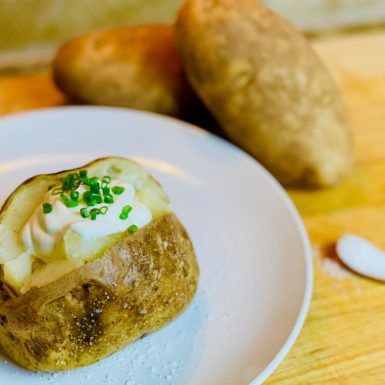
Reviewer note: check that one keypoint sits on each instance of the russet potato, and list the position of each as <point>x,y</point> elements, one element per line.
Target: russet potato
<point>135,67</point>
<point>74,312</point>
<point>267,88</point>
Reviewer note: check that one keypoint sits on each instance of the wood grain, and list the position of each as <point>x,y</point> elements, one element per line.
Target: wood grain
<point>342,341</point>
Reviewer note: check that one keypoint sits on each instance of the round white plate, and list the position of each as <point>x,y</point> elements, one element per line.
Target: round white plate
<point>254,256</point>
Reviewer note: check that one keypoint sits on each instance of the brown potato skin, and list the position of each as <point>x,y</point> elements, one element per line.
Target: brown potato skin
<point>135,67</point>
<point>268,90</point>
<point>135,288</point>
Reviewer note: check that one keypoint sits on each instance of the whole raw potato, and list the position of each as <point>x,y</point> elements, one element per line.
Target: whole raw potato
<point>135,67</point>
<point>267,88</point>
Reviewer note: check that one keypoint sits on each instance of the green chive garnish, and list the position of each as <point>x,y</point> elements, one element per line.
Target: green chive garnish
<point>70,203</point>
<point>71,182</point>
<point>94,188</point>
<point>106,191</point>
<point>83,174</point>
<point>133,229</point>
<point>108,199</point>
<point>84,213</point>
<point>94,213</point>
<point>93,180</point>
<point>75,195</point>
<point>47,208</point>
<point>125,211</point>
<point>117,190</point>
<point>97,193</point>
<point>91,202</point>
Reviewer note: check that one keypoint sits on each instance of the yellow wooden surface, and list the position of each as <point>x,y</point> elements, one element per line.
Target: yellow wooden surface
<point>342,341</point>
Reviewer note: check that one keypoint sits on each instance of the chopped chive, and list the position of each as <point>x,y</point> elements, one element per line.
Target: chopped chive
<point>94,188</point>
<point>103,210</point>
<point>83,174</point>
<point>91,202</point>
<point>133,229</point>
<point>84,212</point>
<point>91,199</point>
<point>50,187</point>
<point>108,199</point>
<point>71,182</point>
<point>125,211</point>
<point>117,190</point>
<point>93,180</point>
<point>106,191</point>
<point>106,179</point>
<point>70,203</point>
<point>47,208</point>
<point>75,195</point>
<point>94,213</point>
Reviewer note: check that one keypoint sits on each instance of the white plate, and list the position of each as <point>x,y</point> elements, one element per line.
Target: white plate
<point>256,272</point>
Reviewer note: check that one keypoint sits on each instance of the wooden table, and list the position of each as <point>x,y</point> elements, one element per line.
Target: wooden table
<point>342,341</point>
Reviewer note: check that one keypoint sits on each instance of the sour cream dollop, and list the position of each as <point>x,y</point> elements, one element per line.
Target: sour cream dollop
<point>43,232</point>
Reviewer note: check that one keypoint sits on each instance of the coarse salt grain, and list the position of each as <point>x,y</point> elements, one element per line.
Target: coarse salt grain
<point>362,256</point>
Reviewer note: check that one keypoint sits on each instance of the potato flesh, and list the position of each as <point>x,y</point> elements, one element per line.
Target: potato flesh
<point>17,271</point>
<point>21,204</point>
<point>50,273</point>
<point>10,247</point>
<point>77,247</point>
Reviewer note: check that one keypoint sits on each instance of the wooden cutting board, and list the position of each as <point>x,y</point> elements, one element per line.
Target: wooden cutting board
<point>342,341</point>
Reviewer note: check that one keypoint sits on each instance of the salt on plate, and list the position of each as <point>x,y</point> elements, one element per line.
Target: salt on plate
<point>362,256</point>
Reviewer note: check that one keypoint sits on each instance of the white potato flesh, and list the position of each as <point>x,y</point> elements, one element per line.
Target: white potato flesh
<point>51,272</point>
<point>77,247</point>
<point>17,271</point>
<point>10,247</point>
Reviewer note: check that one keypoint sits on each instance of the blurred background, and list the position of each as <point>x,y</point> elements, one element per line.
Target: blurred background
<point>31,30</point>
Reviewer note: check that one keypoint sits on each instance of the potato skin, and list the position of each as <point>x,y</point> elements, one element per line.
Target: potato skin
<point>135,67</point>
<point>135,288</point>
<point>267,88</point>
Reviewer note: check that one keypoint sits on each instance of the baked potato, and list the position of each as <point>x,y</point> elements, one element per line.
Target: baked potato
<point>267,89</point>
<point>92,259</point>
<point>135,67</point>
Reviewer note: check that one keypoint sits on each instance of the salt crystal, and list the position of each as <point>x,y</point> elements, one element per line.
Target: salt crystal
<point>362,256</point>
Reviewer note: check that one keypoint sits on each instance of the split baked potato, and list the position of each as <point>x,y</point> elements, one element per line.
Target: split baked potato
<point>79,282</point>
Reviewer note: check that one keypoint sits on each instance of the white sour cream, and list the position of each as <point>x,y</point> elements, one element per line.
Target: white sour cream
<point>43,232</point>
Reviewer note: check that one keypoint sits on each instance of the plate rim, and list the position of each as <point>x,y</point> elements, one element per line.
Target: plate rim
<point>196,130</point>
